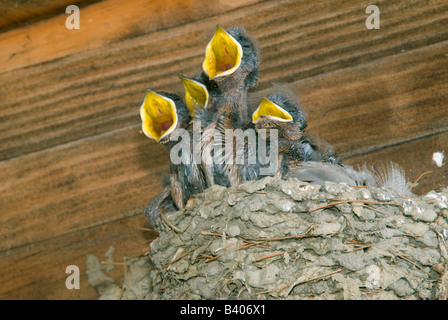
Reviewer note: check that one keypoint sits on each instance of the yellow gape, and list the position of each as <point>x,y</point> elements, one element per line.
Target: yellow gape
<point>272,111</point>
<point>159,117</point>
<point>196,95</point>
<point>223,55</point>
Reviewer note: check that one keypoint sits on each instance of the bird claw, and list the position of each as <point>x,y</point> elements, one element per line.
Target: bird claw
<point>162,202</point>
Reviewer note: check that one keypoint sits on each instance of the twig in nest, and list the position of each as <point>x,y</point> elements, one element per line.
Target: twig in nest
<point>170,224</point>
<point>348,201</point>
<point>376,210</point>
<point>300,236</point>
<point>180,257</point>
<point>276,289</point>
<point>412,235</point>
<point>271,255</point>
<point>440,214</point>
<point>406,259</point>
<point>419,179</point>
<point>213,234</point>
<point>247,245</point>
<point>213,258</point>
<point>353,241</point>
<point>224,247</point>
<point>314,278</point>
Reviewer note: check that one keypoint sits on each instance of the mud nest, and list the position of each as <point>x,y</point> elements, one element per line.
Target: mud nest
<point>276,239</point>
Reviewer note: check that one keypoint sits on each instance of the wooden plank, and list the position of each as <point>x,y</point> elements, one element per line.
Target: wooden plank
<point>37,271</point>
<point>16,13</point>
<point>98,90</point>
<point>380,103</point>
<point>100,23</point>
<point>78,185</point>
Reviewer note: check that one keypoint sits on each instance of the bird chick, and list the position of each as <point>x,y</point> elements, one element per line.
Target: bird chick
<point>231,67</point>
<point>221,141</point>
<point>220,92</point>
<point>234,148</point>
<point>165,115</point>
<point>281,111</point>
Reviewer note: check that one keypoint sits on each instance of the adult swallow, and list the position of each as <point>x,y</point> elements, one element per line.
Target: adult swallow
<point>164,114</point>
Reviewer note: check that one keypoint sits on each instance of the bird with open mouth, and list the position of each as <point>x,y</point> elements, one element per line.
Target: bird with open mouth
<point>310,160</point>
<point>224,155</point>
<point>282,111</point>
<point>231,62</point>
<point>162,114</point>
<point>230,70</point>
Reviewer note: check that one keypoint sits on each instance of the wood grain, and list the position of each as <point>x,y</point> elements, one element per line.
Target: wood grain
<point>77,172</point>
<point>37,271</point>
<point>79,184</point>
<point>16,13</point>
<point>97,90</point>
<point>100,23</point>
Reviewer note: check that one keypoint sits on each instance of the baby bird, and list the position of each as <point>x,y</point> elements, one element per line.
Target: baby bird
<point>234,148</point>
<point>220,92</point>
<point>231,61</point>
<point>165,117</point>
<point>282,111</point>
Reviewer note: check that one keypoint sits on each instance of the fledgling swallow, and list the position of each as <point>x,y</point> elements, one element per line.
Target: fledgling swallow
<point>282,111</point>
<point>162,113</point>
<point>314,149</point>
<point>230,69</point>
<point>235,148</point>
<point>232,59</point>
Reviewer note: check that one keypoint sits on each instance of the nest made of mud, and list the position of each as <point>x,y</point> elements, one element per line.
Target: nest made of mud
<point>276,239</point>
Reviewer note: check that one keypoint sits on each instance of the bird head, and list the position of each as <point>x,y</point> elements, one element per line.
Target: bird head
<point>196,95</point>
<point>161,114</point>
<point>232,55</point>
<point>281,111</point>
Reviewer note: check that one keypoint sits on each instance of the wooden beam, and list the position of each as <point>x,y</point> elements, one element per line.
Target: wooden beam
<point>99,90</point>
<point>37,271</point>
<point>17,13</point>
<point>101,23</point>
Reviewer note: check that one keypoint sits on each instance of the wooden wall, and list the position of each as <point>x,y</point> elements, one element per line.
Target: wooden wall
<point>75,169</point>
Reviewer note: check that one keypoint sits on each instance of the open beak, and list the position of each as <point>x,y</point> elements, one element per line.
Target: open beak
<point>272,111</point>
<point>223,55</point>
<point>196,94</point>
<point>159,116</point>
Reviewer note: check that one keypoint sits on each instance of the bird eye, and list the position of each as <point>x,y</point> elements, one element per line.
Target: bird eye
<point>246,46</point>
